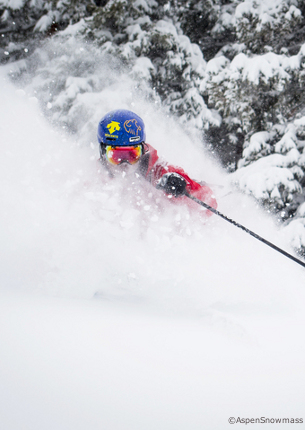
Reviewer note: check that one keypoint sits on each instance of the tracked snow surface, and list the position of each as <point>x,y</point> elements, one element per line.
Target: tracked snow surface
<point>120,310</point>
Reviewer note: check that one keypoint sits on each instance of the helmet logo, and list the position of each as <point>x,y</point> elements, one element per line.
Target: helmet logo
<point>132,127</point>
<point>113,126</point>
<point>134,139</point>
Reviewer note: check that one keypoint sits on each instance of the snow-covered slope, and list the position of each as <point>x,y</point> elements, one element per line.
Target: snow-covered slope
<point>121,311</point>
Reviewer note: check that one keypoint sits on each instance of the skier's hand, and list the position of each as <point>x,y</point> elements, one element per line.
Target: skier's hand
<point>172,183</point>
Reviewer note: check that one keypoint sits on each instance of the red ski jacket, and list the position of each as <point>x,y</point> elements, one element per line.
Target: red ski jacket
<point>153,168</point>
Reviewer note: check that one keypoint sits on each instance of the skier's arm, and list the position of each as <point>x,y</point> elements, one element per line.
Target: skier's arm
<point>156,170</point>
<point>168,176</point>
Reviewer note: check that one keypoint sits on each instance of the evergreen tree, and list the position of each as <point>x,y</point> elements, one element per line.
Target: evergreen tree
<point>261,25</point>
<point>272,169</point>
<point>25,23</point>
<point>146,39</point>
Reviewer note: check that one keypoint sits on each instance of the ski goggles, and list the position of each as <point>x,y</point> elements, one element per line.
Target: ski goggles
<point>123,154</point>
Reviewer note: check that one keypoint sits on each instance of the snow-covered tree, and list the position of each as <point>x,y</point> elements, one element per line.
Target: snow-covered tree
<point>269,24</point>
<point>272,169</point>
<point>256,91</point>
<point>197,19</point>
<point>143,37</point>
<point>24,23</point>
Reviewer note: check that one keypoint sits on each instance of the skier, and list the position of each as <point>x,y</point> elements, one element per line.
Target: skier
<point>121,135</point>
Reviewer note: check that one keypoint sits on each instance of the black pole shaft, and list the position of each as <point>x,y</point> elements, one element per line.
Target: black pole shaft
<point>216,212</point>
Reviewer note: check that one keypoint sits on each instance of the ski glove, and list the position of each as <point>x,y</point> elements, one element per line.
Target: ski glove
<point>172,183</point>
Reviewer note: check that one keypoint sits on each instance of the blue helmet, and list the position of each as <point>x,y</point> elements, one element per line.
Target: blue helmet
<point>121,127</point>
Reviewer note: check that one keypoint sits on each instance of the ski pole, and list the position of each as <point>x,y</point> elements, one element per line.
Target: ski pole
<point>216,212</point>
